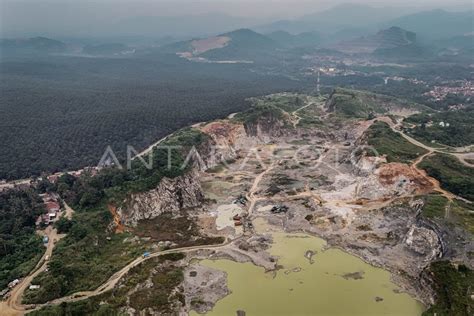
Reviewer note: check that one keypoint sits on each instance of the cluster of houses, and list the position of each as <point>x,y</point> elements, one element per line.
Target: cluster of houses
<point>52,206</point>
<point>458,87</point>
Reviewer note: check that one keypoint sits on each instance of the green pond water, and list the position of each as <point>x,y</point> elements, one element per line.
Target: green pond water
<point>318,289</point>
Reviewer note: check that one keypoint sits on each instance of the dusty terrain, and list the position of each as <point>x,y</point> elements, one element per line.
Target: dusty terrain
<point>360,204</point>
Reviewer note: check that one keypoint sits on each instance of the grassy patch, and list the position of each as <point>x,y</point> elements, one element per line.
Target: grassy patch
<point>286,102</point>
<point>453,288</point>
<point>452,174</point>
<point>393,145</point>
<point>463,214</point>
<point>256,113</point>
<point>308,122</point>
<point>435,206</point>
<point>182,230</point>
<point>157,297</point>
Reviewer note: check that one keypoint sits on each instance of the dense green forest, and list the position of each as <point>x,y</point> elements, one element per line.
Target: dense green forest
<point>62,112</point>
<point>20,247</point>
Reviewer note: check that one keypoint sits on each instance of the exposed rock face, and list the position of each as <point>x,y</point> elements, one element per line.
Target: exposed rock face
<point>269,125</point>
<point>224,142</point>
<point>264,127</point>
<point>424,242</point>
<point>170,195</point>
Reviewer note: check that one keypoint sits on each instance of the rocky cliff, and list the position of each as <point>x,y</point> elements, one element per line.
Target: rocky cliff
<point>170,195</point>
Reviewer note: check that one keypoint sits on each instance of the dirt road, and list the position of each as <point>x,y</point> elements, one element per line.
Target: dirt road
<point>13,305</point>
<point>251,195</point>
<point>68,211</point>
<point>460,156</point>
<point>113,280</point>
<point>295,117</point>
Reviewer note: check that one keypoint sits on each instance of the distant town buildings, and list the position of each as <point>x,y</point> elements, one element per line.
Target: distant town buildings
<point>399,79</point>
<point>460,87</point>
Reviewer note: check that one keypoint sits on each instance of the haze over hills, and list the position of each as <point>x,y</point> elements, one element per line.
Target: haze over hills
<point>348,20</point>
<point>299,40</point>
<point>339,23</point>
<point>436,24</point>
<point>191,25</point>
<point>338,18</point>
<point>384,39</point>
<point>457,42</point>
<point>107,49</point>
<point>36,45</point>
<point>248,45</point>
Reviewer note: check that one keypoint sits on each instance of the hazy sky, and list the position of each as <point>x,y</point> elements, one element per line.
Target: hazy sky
<point>72,16</point>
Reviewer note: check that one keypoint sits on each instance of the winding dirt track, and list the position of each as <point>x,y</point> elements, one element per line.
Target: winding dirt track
<point>295,117</point>
<point>460,156</point>
<point>13,306</point>
<point>251,195</point>
<point>436,185</point>
<point>112,281</point>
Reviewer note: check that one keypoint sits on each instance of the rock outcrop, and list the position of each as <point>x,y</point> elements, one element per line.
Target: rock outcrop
<point>424,242</point>
<point>265,127</point>
<point>170,195</point>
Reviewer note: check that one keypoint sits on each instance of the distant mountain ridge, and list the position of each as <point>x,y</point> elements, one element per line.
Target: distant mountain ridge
<point>33,45</point>
<point>335,19</point>
<point>190,25</point>
<point>299,40</point>
<point>349,20</point>
<point>437,24</point>
<point>384,39</point>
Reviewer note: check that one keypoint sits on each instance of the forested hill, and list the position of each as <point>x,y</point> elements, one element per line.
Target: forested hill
<point>61,113</point>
